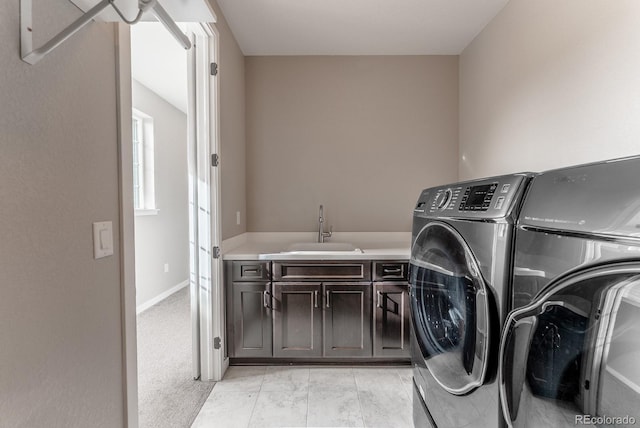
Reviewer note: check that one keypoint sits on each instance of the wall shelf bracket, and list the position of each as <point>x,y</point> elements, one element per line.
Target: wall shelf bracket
<point>32,56</point>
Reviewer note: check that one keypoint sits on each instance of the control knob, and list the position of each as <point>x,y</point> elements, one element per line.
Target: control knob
<point>442,200</point>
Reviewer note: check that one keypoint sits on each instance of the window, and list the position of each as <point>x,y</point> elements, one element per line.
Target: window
<point>143,164</point>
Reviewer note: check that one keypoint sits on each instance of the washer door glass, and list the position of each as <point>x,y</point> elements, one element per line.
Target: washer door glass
<point>450,309</point>
<point>573,353</point>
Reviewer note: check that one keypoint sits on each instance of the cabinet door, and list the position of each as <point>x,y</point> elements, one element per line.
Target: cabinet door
<point>297,320</point>
<point>347,320</point>
<point>252,325</point>
<point>391,338</point>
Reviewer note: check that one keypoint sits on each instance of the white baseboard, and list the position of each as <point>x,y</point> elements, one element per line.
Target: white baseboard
<point>160,297</point>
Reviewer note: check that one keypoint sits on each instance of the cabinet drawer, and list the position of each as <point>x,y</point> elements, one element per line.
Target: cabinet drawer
<point>390,271</point>
<point>251,271</point>
<point>328,271</point>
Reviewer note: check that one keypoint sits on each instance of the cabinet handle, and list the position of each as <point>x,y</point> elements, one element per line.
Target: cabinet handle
<point>328,301</point>
<point>315,298</point>
<point>391,270</point>
<point>265,296</point>
<point>379,303</point>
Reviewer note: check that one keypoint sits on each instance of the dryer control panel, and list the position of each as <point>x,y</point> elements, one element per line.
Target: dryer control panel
<point>485,198</point>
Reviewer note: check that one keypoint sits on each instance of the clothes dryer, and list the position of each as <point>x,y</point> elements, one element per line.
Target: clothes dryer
<point>459,291</point>
<point>570,351</point>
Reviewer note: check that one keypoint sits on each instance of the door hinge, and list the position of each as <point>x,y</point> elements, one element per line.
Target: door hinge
<point>216,252</point>
<point>215,160</point>
<point>217,343</point>
<point>214,69</point>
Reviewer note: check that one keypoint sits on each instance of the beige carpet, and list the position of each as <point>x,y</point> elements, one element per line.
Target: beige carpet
<point>167,394</point>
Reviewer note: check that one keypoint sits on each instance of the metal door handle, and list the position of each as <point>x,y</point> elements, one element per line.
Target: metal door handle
<point>512,364</point>
<point>328,301</point>
<point>379,303</point>
<point>315,298</point>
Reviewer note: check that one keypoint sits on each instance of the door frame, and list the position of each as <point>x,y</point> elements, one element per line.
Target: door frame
<point>127,229</point>
<point>214,363</point>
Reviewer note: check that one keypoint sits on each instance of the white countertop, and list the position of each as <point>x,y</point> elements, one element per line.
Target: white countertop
<point>273,246</point>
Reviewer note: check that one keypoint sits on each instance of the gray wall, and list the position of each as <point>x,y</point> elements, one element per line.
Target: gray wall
<point>361,135</point>
<point>551,83</point>
<point>60,329</point>
<point>164,237</point>
<point>232,130</point>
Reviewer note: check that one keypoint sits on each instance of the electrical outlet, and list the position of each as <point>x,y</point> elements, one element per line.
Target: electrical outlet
<point>238,218</point>
<point>166,268</point>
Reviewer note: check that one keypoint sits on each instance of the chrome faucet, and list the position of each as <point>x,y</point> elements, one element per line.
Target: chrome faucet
<point>321,233</point>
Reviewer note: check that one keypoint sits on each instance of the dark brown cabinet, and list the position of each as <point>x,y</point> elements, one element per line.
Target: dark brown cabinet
<point>297,320</point>
<point>322,309</point>
<point>321,320</point>
<point>297,310</point>
<point>249,322</point>
<point>347,320</point>
<point>391,320</point>
<point>391,317</point>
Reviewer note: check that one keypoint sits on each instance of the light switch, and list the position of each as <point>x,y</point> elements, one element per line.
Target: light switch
<point>102,239</point>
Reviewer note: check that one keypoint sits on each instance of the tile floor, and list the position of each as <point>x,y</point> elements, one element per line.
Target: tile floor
<point>310,397</point>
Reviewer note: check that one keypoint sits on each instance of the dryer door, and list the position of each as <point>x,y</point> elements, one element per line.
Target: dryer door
<point>450,308</point>
<point>572,355</point>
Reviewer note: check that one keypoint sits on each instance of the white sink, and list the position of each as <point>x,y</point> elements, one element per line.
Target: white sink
<point>321,247</point>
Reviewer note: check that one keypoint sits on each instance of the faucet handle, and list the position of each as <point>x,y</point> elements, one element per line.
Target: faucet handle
<point>329,233</point>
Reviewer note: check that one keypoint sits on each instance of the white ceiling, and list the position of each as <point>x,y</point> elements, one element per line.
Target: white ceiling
<point>357,27</point>
<point>159,62</point>
<point>316,27</point>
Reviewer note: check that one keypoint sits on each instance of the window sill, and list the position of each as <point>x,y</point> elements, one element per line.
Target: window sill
<point>146,212</point>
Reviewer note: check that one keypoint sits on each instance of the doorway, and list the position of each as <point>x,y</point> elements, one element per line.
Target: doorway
<point>166,351</point>
<point>199,208</point>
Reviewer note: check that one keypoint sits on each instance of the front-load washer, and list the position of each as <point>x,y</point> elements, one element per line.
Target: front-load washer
<point>459,285</point>
<point>570,351</point>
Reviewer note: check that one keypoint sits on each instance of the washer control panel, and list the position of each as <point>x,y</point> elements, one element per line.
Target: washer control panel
<point>478,198</point>
<point>485,198</point>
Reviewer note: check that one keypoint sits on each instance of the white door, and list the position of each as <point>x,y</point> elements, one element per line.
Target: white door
<point>209,362</point>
